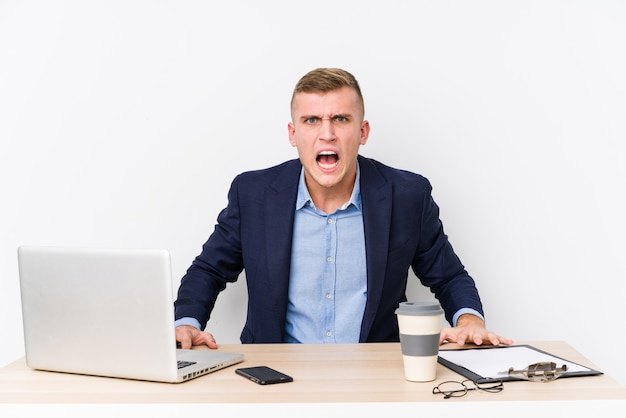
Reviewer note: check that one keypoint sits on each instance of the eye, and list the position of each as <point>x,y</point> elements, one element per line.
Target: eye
<point>311,120</point>
<point>340,119</point>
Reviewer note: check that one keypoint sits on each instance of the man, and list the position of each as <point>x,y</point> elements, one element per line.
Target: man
<point>327,240</point>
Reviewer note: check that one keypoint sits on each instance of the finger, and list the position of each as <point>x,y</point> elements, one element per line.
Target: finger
<point>493,339</point>
<point>451,335</point>
<point>445,335</point>
<point>184,339</point>
<point>209,340</point>
<point>502,340</point>
<point>461,338</point>
<point>203,338</point>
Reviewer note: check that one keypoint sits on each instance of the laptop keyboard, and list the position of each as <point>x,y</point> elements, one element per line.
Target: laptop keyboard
<point>182,364</point>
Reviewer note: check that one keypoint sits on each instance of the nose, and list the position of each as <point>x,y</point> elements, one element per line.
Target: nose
<point>327,130</point>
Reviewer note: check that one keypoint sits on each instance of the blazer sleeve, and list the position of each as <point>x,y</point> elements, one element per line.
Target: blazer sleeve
<point>438,266</point>
<point>219,263</point>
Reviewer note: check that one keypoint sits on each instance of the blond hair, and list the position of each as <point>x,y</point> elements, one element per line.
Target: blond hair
<point>323,80</point>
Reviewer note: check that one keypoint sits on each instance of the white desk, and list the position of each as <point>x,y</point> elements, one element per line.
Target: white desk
<point>328,379</point>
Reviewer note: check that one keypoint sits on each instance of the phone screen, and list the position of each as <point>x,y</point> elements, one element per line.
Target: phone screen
<point>263,375</point>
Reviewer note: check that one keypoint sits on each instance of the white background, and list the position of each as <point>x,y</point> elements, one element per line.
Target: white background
<point>122,124</point>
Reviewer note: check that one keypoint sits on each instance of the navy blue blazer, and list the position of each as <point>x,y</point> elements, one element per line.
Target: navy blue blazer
<point>254,232</point>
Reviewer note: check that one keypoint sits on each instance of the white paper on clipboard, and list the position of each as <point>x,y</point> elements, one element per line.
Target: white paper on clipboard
<point>494,363</point>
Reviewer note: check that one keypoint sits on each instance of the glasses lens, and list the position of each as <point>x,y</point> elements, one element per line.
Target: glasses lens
<point>451,389</point>
<point>490,386</point>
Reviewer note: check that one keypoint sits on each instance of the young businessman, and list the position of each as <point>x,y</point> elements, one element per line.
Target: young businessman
<point>326,240</point>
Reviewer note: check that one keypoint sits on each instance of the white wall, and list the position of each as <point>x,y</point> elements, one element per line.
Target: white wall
<point>122,124</point>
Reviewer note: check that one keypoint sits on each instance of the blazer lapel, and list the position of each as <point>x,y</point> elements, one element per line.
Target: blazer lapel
<point>279,212</point>
<point>376,195</point>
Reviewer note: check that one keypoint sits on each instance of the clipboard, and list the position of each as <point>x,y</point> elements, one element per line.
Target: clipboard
<point>489,363</point>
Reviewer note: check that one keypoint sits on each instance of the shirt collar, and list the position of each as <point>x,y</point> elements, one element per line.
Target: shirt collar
<point>304,197</point>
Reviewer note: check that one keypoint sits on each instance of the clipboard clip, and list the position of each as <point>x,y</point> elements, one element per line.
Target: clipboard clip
<point>545,371</point>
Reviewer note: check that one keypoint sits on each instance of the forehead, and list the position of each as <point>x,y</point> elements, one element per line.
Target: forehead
<point>341,101</point>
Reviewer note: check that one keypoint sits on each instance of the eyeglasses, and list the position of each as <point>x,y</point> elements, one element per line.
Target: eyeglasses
<point>454,389</point>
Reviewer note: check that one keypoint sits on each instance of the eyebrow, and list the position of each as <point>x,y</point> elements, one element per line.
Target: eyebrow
<point>338,115</point>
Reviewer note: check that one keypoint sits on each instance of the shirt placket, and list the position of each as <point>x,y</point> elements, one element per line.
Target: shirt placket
<point>328,287</point>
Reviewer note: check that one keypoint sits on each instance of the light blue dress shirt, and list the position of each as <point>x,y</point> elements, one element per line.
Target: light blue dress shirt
<point>328,277</point>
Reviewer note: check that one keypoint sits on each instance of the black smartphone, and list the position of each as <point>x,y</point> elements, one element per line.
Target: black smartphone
<point>263,375</point>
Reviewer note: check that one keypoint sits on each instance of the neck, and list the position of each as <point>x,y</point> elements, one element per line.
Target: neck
<point>329,199</point>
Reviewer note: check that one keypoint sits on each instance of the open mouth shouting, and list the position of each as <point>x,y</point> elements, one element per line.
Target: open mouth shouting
<point>327,160</point>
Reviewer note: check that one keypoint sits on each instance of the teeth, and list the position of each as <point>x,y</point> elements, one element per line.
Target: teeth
<point>327,166</point>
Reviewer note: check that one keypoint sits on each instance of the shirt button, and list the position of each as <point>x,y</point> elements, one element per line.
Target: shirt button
<point>329,334</point>
<point>329,259</point>
<point>328,296</point>
<point>330,220</point>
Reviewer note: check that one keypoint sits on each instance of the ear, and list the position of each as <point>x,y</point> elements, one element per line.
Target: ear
<point>365,132</point>
<point>292,134</point>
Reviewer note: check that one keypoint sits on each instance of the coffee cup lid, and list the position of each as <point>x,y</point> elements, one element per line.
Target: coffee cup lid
<point>419,308</point>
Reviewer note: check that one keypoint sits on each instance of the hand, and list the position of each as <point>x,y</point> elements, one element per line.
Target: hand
<point>188,336</point>
<point>471,329</point>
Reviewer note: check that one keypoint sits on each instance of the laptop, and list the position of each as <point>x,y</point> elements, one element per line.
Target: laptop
<point>106,312</point>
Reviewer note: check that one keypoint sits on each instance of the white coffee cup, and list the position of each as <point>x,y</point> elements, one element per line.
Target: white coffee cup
<point>420,326</point>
